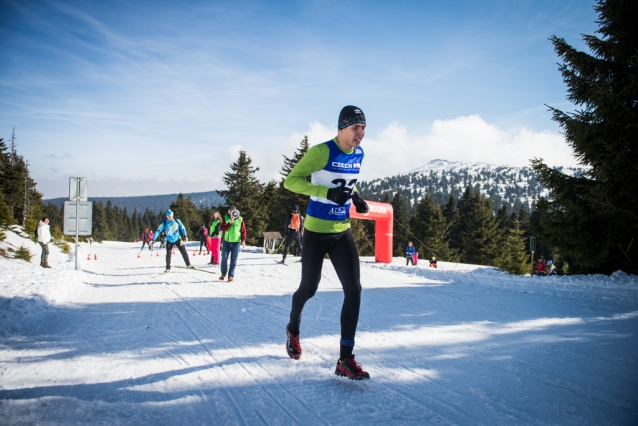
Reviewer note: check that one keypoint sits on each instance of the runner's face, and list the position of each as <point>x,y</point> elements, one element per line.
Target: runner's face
<point>350,137</point>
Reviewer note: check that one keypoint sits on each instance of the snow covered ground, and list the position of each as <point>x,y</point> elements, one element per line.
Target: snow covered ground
<point>463,344</point>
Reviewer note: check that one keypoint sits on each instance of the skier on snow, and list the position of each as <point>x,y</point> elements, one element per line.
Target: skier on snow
<point>146,239</point>
<point>203,236</point>
<point>174,232</point>
<point>333,167</point>
<point>294,230</point>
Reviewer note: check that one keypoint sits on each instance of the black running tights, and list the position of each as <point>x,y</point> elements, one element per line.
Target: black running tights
<point>182,249</point>
<point>345,259</point>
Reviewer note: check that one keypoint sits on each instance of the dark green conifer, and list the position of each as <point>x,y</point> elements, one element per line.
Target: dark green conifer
<point>593,218</point>
<point>244,191</point>
<point>401,230</point>
<point>431,231</point>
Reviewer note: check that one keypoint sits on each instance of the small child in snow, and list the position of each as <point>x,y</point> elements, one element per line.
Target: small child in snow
<point>409,253</point>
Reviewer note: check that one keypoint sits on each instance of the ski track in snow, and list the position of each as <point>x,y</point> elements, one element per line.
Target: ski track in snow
<point>117,343</point>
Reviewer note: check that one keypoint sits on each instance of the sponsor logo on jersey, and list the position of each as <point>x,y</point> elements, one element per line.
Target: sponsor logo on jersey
<point>348,166</point>
<point>338,211</point>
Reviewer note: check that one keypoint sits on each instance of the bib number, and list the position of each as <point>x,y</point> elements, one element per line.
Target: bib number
<point>346,187</point>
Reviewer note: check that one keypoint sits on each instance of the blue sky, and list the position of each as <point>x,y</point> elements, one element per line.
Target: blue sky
<point>158,97</point>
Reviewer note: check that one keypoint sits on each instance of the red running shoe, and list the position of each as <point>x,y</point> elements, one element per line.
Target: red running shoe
<point>293,347</point>
<point>350,368</point>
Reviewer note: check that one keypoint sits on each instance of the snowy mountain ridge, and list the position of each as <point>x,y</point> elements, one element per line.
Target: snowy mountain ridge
<point>518,187</point>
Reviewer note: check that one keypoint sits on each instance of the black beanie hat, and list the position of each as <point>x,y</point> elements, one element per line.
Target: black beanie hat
<point>350,115</point>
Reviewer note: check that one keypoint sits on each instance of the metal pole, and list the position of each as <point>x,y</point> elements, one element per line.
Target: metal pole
<point>77,220</point>
<point>532,274</point>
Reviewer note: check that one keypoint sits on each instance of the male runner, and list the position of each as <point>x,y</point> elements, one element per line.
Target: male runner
<point>333,167</point>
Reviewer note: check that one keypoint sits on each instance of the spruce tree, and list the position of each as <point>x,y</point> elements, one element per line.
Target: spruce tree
<point>287,199</point>
<point>244,191</point>
<point>593,218</point>
<point>514,257</point>
<point>185,210</point>
<point>101,230</point>
<point>401,224</point>
<point>431,231</point>
<point>270,201</point>
<point>452,217</point>
<point>6,218</point>
<point>481,236</point>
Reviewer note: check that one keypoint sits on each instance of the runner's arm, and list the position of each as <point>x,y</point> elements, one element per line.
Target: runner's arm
<point>315,159</point>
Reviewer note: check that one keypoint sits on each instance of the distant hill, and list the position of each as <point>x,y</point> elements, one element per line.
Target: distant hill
<point>516,186</point>
<point>155,203</point>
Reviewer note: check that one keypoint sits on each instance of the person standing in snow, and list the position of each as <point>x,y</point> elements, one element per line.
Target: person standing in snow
<point>203,236</point>
<point>541,267</point>
<point>293,229</point>
<point>146,239</point>
<point>334,167</point>
<point>433,262</point>
<point>44,238</point>
<point>410,251</point>
<point>214,232</point>
<point>565,268</point>
<point>174,232</point>
<point>234,230</point>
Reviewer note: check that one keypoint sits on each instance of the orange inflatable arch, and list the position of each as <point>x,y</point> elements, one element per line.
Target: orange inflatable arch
<point>383,216</point>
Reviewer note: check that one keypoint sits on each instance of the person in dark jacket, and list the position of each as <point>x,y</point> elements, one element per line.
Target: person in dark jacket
<point>433,262</point>
<point>294,231</point>
<point>203,236</point>
<point>146,239</point>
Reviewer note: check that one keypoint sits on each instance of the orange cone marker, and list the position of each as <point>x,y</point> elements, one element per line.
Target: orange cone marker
<point>88,257</point>
<point>95,258</point>
<point>138,255</point>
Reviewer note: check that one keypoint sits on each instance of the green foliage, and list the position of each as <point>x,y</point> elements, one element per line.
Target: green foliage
<point>23,253</point>
<point>401,224</point>
<point>186,211</point>
<point>431,231</point>
<point>514,258</point>
<point>3,235</point>
<point>482,238</point>
<point>363,232</point>
<point>20,194</point>
<point>593,218</point>
<point>62,245</point>
<point>5,213</point>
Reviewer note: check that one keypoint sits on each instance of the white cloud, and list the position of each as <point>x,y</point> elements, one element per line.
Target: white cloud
<point>468,139</point>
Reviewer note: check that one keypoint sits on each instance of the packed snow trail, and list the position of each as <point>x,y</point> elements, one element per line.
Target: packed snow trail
<point>116,344</point>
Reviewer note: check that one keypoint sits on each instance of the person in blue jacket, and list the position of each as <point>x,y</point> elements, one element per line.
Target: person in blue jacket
<point>409,253</point>
<point>174,230</point>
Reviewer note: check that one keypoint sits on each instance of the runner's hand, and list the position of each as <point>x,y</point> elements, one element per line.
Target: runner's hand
<point>338,195</point>
<point>359,203</point>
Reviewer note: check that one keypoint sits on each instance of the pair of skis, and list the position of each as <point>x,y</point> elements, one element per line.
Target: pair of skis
<point>281,262</point>
<point>189,269</point>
